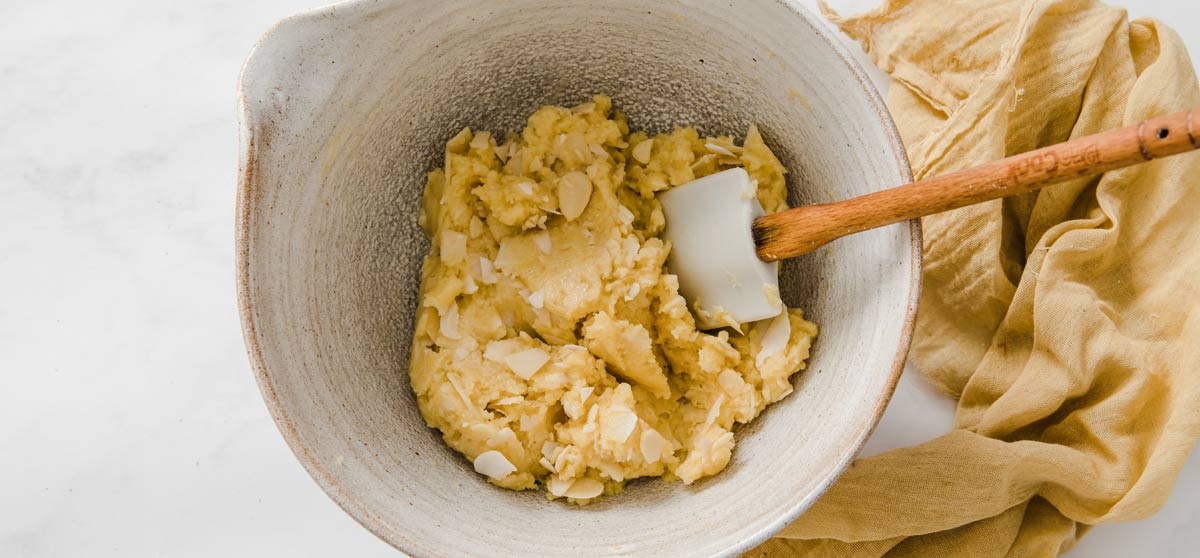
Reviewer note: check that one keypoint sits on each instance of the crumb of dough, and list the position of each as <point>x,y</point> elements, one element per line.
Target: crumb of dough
<point>552,348</point>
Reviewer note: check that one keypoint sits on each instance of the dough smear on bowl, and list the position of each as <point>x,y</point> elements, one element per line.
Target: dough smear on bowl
<point>552,347</point>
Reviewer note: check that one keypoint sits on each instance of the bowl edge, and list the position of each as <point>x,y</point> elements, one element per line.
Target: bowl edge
<point>247,172</point>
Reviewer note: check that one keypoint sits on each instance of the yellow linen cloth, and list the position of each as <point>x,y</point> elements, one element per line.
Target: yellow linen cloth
<point>1067,321</point>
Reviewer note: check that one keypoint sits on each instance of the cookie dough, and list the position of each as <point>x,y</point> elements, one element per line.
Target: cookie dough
<point>552,347</point>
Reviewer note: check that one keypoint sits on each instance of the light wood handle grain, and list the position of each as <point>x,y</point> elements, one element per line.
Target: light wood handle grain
<point>803,229</point>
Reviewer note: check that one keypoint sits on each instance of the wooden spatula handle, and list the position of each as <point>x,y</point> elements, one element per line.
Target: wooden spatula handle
<point>803,229</point>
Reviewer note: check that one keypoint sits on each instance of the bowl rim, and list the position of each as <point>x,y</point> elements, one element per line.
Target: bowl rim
<point>246,186</point>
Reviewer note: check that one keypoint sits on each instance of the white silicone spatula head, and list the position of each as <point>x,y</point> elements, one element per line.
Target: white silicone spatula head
<point>713,254</point>
<point>721,245</point>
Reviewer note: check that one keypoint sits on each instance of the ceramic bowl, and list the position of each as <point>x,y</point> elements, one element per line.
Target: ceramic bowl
<point>344,109</point>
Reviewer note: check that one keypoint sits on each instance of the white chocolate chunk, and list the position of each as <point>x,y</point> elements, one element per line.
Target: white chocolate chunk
<point>494,464</point>
<point>502,150</point>
<point>507,256</point>
<point>526,363</point>
<point>641,151</point>
<point>558,486</point>
<point>775,339</point>
<point>714,412</point>
<point>626,216</point>
<point>542,240</point>
<point>496,351</point>
<point>630,244</point>
<point>501,437</point>
<point>475,229</point>
<point>449,323</point>
<point>618,424</point>
<point>574,192</point>
<point>589,425</point>
<point>652,445</point>
<point>584,489</point>
<point>487,271</point>
<point>481,140</point>
<point>536,299</point>
<point>718,149</point>
<point>462,393</point>
<point>730,380</point>
<point>454,247</point>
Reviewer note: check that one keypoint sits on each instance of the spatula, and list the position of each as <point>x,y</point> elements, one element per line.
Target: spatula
<point>725,250</point>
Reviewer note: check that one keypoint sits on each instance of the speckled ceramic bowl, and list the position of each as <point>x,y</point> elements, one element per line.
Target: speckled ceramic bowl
<point>343,111</point>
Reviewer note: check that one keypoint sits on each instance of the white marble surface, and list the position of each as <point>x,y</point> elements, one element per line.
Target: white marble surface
<point>129,422</point>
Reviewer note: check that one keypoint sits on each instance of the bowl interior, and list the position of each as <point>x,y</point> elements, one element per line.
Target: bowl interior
<point>345,109</point>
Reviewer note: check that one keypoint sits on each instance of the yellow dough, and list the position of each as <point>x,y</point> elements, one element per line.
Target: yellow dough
<point>552,347</point>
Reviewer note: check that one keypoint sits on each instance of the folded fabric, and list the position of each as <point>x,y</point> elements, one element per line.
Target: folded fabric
<point>1066,321</point>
